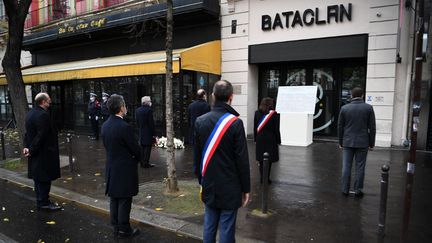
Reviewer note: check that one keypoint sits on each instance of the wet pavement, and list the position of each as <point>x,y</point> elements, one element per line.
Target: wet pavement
<point>21,222</point>
<point>305,196</point>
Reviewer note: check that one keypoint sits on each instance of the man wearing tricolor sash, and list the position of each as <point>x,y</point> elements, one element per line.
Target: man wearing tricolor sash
<point>222,165</point>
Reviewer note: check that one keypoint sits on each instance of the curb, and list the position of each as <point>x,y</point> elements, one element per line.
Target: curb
<point>138,214</point>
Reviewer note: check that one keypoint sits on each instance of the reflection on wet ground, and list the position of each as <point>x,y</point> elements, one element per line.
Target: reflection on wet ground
<point>304,196</point>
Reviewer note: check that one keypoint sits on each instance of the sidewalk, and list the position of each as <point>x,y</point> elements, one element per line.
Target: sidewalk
<point>304,197</point>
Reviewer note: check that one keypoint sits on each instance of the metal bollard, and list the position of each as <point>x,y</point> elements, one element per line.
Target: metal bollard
<point>383,201</point>
<point>2,144</point>
<point>69,141</point>
<point>264,203</point>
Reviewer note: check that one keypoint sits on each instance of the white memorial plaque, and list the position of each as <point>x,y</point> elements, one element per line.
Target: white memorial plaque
<point>296,99</point>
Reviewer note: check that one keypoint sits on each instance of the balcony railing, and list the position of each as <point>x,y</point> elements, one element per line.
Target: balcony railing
<point>61,9</point>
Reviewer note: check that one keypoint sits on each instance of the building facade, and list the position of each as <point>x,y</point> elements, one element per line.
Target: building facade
<point>335,45</point>
<point>83,46</point>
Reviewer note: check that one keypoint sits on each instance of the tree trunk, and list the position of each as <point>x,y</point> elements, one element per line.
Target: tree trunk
<point>17,13</point>
<point>172,177</point>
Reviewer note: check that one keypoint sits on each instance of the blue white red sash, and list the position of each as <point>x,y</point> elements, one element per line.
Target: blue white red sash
<point>214,139</point>
<point>264,120</point>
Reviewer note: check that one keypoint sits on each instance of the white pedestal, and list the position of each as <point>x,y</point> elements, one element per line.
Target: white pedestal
<point>296,129</point>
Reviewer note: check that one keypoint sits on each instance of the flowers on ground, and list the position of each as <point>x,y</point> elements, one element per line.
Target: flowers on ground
<point>162,143</point>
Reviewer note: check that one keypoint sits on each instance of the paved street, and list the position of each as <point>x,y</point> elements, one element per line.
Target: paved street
<point>21,222</point>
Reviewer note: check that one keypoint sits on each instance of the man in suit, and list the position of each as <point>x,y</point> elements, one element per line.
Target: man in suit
<point>104,109</point>
<point>224,175</point>
<point>356,130</point>
<point>147,133</point>
<point>195,109</point>
<point>123,153</point>
<point>41,149</point>
<point>93,110</point>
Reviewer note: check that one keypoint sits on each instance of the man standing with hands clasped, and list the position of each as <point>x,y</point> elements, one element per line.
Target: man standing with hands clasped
<point>121,173</point>
<point>41,148</point>
<point>356,130</point>
<point>222,165</point>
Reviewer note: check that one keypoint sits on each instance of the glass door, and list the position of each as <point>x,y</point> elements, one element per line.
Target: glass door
<point>325,108</point>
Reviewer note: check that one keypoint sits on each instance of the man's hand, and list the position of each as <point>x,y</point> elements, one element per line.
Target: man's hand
<point>245,199</point>
<point>26,152</point>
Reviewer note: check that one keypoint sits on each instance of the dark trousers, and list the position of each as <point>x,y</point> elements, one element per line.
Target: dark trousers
<point>95,127</point>
<point>359,155</point>
<point>261,168</point>
<point>225,219</point>
<point>119,213</point>
<point>42,189</point>
<point>145,158</point>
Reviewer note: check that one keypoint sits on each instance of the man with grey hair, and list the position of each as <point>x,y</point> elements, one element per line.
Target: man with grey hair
<point>41,149</point>
<point>147,132</point>
<point>121,173</point>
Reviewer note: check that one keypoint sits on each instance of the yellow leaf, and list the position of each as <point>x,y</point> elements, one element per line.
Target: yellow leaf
<point>6,220</point>
<point>158,209</point>
<point>97,174</point>
<point>3,208</point>
<point>69,178</point>
<point>67,240</point>
<point>31,211</point>
<point>51,222</point>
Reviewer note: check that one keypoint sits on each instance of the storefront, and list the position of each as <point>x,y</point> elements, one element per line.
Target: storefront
<point>133,76</point>
<point>121,49</point>
<point>335,45</point>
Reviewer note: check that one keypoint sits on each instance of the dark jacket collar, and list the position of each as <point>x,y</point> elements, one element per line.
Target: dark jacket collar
<point>224,107</point>
<point>357,100</point>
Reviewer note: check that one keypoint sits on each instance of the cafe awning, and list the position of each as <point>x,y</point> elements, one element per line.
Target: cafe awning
<point>203,58</point>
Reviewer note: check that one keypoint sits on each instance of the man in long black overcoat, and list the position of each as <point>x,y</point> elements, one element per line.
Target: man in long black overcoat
<point>121,174</point>
<point>41,148</point>
<point>147,132</point>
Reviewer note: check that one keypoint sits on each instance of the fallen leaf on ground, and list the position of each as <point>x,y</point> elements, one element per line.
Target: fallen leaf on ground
<point>51,222</point>
<point>40,241</point>
<point>97,174</point>
<point>148,197</point>
<point>67,240</point>
<point>3,208</point>
<point>31,211</point>
<point>158,209</point>
<point>6,220</point>
<point>181,195</point>
<point>69,178</point>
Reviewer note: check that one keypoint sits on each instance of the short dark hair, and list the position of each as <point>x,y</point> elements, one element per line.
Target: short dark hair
<point>266,104</point>
<point>222,90</point>
<point>201,93</point>
<point>356,92</point>
<point>115,103</point>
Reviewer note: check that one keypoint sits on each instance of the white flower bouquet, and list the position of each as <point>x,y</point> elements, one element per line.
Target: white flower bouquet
<point>162,143</point>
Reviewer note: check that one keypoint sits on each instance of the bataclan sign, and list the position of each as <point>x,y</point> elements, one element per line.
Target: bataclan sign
<point>291,19</point>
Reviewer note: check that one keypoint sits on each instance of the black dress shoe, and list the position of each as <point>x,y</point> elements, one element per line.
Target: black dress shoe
<point>345,194</point>
<point>359,194</point>
<point>130,234</point>
<point>148,166</point>
<point>50,207</point>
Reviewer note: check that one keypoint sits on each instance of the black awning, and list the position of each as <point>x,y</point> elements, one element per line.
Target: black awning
<point>354,46</point>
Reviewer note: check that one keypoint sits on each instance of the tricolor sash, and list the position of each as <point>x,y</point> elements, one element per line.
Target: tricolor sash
<point>264,120</point>
<point>214,139</point>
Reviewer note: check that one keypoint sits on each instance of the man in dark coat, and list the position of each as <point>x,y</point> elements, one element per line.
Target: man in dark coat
<point>93,110</point>
<point>41,148</point>
<point>147,133</point>
<point>225,176</point>
<point>195,109</point>
<point>123,153</point>
<point>356,130</point>
<point>104,109</point>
